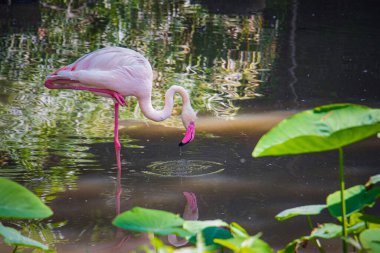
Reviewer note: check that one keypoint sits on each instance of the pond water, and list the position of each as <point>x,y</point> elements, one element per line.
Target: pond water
<point>247,65</point>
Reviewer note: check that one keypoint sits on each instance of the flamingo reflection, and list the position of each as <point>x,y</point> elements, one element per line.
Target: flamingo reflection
<point>126,243</point>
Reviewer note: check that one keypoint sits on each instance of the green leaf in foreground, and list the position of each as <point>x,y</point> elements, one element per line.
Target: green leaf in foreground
<point>18,202</point>
<point>301,210</point>
<point>251,244</point>
<point>325,231</point>
<point>210,234</point>
<point>356,197</point>
<point>13,237</point>
<point>149,220</point>
<point>370,240</point>
<point>238,231</point>
<point>323,128</point>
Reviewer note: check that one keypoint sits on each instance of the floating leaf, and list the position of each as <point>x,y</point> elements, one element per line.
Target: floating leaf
<point>301,210</point>
<point>356,197</point>
<point>150,220</point>
<point>13,237</point>
<point>370,240</point>
<point>18,202</point>
<point>323,128</point>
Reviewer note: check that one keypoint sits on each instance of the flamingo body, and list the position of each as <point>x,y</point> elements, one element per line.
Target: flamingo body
<point>115,68</point>
<point>118,72</point>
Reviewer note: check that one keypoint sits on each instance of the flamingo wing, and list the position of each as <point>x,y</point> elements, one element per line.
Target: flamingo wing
<point>119,69</point>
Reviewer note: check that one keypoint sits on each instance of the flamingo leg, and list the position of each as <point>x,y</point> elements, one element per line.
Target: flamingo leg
<point>116,130</point>
<point>117,96</point>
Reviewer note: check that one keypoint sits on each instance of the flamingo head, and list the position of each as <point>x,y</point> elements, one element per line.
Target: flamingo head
<point>188,119</point>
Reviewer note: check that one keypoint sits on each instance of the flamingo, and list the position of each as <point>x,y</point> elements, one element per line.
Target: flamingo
<point>117,72</point>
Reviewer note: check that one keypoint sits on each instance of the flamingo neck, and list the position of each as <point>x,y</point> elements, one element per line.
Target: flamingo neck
<point>155,115</point>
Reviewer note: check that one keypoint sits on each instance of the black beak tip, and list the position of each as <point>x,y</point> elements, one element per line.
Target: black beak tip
<point>181,144</point>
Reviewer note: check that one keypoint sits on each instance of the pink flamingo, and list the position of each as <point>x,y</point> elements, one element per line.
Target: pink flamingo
<point>118,72</point>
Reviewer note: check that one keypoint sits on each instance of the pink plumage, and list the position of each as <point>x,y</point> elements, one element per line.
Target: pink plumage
<point>118,72</point>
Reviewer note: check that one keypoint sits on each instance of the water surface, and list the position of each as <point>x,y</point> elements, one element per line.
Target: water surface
<point>246,65</point>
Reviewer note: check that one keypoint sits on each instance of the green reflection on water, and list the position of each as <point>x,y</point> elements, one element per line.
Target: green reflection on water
<point>46,134</point>
<point>218,58</point>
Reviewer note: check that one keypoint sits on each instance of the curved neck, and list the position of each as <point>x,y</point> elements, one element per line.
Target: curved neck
<point>149,112</point>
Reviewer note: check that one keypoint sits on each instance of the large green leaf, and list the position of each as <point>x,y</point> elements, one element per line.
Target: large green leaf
<point>320,129</point>
<point>18,202</point>
<point>356,197</point>
<point>370,240</point>
<point>250,244</point>
<point>301,210</point>
<point>13,237</point>
<point>150,220</point>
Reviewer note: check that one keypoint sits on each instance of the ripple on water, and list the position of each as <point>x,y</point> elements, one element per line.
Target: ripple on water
<point>183,168</point>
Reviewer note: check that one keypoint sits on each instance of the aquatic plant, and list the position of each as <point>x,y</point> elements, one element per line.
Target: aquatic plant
<point>18,202</point>
<point>329,127</point>
<point>206,236</point>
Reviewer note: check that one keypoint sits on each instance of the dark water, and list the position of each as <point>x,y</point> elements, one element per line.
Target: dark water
<point>247,65</point>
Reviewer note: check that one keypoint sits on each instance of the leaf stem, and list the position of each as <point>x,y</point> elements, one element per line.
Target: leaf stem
<point>15,249</point>
<point>343,201</point>
<point>310,222</point>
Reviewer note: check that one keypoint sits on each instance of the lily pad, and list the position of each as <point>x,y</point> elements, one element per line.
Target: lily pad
<point>323,128</point>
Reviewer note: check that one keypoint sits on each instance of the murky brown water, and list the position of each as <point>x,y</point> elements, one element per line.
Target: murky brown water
<point>246,68</point>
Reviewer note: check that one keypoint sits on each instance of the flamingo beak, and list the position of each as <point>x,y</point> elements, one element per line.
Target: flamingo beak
<point>189,135</point>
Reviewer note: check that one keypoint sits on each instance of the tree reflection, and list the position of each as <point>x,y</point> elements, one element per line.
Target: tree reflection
<point>218,58</point>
